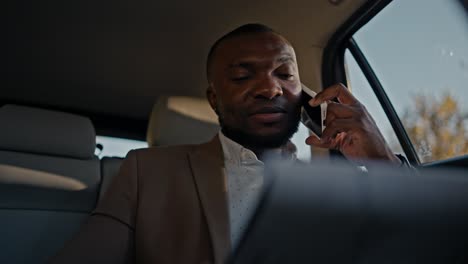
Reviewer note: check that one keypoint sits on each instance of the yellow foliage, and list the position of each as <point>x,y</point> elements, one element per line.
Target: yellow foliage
<point>437,128</point>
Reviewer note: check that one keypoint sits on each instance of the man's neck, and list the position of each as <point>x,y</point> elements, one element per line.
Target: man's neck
<point>263,153</point>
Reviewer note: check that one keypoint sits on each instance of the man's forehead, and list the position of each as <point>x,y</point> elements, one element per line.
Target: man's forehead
<point>282,58</point>
<point>256,47</point>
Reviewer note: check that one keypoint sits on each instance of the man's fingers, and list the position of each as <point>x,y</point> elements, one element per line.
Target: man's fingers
<point>313,139</point>
<point>338,126</point>
<point>329,135</point>
<point>317,142</point>
<point>335,143</point>
<point>337,110</point>
<point>338,91</point>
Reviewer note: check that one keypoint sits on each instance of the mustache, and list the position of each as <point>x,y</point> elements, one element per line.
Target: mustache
<point>277,105</point>
<point>268,109</point>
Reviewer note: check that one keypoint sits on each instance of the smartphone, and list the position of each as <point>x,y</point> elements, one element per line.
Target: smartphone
<point>312,117</point>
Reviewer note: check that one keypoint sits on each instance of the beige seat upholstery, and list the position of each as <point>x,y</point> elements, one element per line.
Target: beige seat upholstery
<point>49,181</point>
<point>181,120</point>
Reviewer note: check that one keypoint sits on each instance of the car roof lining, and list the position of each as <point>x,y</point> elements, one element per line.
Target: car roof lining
<point>110,60</point>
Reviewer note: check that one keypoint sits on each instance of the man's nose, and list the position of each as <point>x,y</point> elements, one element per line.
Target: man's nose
<point>268,88</point>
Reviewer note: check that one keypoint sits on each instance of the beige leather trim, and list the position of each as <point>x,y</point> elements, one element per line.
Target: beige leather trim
<point>196,108</point>
<point>21,176</point>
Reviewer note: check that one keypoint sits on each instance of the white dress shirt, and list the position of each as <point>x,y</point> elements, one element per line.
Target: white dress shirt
<point>244,178</point>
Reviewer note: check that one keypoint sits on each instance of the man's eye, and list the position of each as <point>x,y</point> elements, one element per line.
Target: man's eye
<point>286,76</point>
<point>241,78</point>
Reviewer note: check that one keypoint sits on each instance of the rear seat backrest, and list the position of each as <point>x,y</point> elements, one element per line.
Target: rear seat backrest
<point>49,179</point>
<point>180,120</point>
<point>110,168</point>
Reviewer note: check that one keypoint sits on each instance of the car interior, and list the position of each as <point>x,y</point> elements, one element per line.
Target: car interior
<point>75,70</point>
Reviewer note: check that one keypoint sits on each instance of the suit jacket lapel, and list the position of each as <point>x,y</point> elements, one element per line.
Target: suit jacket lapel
<point>207,165</point>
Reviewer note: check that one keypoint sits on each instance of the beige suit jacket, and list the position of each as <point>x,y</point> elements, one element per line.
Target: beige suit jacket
<point>167,205</point>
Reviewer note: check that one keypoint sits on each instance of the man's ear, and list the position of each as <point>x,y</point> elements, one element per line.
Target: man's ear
<point>211,96</point>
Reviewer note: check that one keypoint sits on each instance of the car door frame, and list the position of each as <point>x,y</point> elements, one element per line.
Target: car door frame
<point>333,71</point>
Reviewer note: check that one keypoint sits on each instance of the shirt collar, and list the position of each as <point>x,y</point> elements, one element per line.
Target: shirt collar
<point>234,153</point>
<point>237,154</point>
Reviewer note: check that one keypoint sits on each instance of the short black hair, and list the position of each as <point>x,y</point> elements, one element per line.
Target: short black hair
<point>244,29</point>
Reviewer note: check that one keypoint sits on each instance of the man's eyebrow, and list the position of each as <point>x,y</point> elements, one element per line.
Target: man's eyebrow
<point>284,59</point>
<point>241,65</point>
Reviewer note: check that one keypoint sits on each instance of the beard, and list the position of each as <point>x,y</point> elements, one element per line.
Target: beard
<point>251,140</point>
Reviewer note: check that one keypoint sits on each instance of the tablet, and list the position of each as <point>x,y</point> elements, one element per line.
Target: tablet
<point>335,213</point>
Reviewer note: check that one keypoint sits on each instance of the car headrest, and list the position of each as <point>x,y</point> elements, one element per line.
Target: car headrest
<point>40,131</point>
<point>181,120</point>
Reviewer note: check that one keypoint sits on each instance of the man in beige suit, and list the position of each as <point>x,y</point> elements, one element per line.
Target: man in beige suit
<point>189,204</point>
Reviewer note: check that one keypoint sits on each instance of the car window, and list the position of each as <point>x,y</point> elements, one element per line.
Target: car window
<point>362,90</point>
<point>298,139</point>
<point>117,147</point>
<point>419,51</point>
